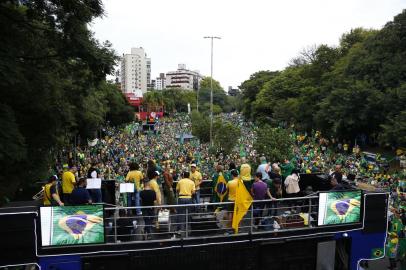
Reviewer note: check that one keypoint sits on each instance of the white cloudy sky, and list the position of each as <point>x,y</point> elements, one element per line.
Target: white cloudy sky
<point>256,34</point>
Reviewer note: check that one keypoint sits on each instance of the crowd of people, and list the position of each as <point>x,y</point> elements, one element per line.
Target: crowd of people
<point>168,167</point>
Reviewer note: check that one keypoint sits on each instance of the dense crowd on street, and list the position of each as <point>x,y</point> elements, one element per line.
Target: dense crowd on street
<point>168,167</point>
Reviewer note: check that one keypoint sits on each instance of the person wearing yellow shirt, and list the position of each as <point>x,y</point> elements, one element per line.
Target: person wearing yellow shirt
<point>51,194</point>
<point>345,147</point>
<point>153,184</point>
<point>153,176</point>
<point>197,178</point>
<point>134,176</point>
<point>185,189</point>
<point>68,183</point>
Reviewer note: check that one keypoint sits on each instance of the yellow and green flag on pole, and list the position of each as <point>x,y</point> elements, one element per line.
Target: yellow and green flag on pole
<point>243,200</point>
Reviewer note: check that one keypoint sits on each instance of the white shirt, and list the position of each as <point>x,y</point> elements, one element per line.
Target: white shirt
<point>292,184</point>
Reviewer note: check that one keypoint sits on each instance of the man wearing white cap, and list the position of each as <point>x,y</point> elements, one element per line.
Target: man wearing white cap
<point>197,178</point>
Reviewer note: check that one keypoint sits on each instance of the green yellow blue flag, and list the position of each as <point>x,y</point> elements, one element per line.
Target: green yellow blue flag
<point>377,253</point>
<point>221,187</point>
<point>242,152</point>
<point>243,200</point>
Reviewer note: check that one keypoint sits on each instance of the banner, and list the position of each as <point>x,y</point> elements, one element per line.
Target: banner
<point>92,142</point>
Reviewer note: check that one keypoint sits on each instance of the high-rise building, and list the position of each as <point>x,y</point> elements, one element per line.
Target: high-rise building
<point>135,72</point>
<point>150,85</point>
<point>160,82</point>
<point>183,78</point>
<point>233,91</point>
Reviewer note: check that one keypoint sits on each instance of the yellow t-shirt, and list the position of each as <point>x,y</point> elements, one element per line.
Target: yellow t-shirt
<point>155,187</point>
<point>185,188</point>
<point>48,195</point>
<point>196,177</point>
<point>68,182</point>
<point>232,189</point>
<point>135,177</point>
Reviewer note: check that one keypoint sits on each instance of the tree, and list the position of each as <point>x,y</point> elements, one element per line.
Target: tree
<point>274,143</point>
<point>219,96</point>
<point>177,99</point>
<point>306,56</point>
<point>118,110</point>
<point>52,83</point>
<point>225,136</point>
<point>348,112</point>
<point>200,126</point>
<point>355,88</point>
<point>394,130</point>
<point>251,87</point>
<point>282,86</point>
<point>394,125</point>
<point>355,36</point>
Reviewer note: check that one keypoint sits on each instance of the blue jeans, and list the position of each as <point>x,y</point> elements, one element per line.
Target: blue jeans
<point>133,199</point>
<point>258,209</point>
<point>196,197</point>
<point>181,218</point>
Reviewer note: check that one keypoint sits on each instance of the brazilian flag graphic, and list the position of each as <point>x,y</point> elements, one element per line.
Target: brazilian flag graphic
<point>377,253</point>
<point>343,207</point>
<point>221,187</point>
<point>77,225</point>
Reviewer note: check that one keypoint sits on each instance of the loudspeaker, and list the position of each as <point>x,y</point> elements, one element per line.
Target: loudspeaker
<point>376,209</point>
<point>17,237</point>
<point>108,188</point>
<point>318,181</point>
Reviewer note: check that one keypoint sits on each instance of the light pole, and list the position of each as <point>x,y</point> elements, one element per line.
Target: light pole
<point>211,89</point>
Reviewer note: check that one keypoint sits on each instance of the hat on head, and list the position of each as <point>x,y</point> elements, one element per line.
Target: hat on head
<point>193,165</point>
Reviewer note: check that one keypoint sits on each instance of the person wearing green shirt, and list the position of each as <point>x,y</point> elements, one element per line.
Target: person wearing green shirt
<point>287,168</point>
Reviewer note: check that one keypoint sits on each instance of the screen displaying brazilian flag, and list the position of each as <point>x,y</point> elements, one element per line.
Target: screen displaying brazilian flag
<point>72,225</point>
<point>339,207</point>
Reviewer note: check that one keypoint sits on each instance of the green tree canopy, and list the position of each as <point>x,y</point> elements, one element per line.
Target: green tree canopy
<point>354,89</point>
<point>251,87</point>
<point>274,143</point>
<point>52,84</point>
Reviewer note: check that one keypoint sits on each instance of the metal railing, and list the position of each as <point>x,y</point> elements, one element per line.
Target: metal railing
<point>187,221</point>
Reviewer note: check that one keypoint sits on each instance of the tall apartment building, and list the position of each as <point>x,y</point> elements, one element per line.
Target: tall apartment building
<point>135,72</point>
<point>160,82</point>
<point>150,84</point>
<point>183,78</point>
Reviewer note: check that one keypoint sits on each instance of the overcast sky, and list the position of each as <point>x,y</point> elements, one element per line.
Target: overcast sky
<point>256,34</point>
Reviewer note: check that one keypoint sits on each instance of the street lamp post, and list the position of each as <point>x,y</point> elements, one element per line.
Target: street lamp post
<point>211,89</point>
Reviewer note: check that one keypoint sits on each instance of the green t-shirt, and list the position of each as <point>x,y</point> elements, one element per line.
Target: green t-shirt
<point>287,169</point>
